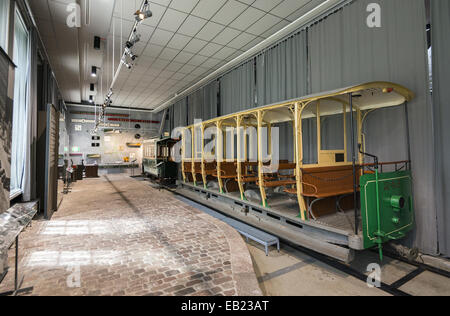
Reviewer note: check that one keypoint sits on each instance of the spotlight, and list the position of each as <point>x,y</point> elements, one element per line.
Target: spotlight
<point>130,53</point>
<point>134,40</point>
<point>94,71</point>
<point>144,14</point>
<point>91,99</point>
<point>129,66</point>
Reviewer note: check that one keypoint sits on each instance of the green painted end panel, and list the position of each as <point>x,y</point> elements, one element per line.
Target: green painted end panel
<point>396,207</point>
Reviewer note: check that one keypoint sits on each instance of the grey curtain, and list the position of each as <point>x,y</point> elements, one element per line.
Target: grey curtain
<point>282,71</point>
<point>440,18</point>
<point>309,132</point>
<point>344,51</point>
<point>237,89</point>
<point>195,106</point>
<point>210,101</point>
<point>202,104</point>
<point>180,113</point>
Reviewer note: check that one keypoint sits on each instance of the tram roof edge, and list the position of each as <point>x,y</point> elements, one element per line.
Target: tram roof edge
<point>387,88</point>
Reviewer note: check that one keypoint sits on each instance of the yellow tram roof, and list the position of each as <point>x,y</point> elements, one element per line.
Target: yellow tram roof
<point>367,96</point>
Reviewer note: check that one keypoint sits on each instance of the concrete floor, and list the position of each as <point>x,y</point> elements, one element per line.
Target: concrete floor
<point>292,273</point>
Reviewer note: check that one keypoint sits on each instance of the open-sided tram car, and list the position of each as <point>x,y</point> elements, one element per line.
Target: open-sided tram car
<point>344,200</point>
<point>157,162</point>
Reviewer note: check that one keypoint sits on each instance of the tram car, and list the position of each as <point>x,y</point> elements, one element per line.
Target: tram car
<point>324,192</point>
<point>157,162</point>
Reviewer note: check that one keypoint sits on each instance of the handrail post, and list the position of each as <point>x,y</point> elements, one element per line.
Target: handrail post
<point>299,159</point>
<point>260,160</point>
<point>203,156</point>
<point>239,157</point>
<point>219,150</point>
<point>183,154</point>
<point>355,185</point>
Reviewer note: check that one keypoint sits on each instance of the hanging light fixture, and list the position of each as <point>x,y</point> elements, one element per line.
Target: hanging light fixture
<point>130,53</point>
<point>94,71</point>
<point>136,38</point>
<point>143,14</point>
<point>128,65</point>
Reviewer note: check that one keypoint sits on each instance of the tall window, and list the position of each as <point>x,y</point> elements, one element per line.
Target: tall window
<point>21,58</point>
<point>4,13</point>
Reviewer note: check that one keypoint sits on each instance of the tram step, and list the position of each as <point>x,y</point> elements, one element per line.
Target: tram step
<point>254,234</point>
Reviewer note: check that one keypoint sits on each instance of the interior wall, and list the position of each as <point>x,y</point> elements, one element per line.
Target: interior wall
<point>113,146</point>
<point>5,132</point>
<point>440,19</point>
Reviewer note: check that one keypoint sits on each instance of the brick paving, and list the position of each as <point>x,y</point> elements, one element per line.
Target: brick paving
<point>118,236</point>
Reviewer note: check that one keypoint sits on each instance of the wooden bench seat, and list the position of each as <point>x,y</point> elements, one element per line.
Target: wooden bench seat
<point>278,183</point>
<point>229,174</point>
<point>210,168</point>
<point>321,184</point>
<point>325,194</point>
<point>198,167</point>
<point>326,182</point>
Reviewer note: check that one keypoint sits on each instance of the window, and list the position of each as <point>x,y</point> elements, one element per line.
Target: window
<point>4,21</point>
<point>21,57</point>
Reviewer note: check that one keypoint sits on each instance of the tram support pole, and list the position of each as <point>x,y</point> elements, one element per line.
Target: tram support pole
<point>355,183</point>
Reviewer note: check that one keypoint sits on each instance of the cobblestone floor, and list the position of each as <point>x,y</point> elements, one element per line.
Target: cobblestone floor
<point>118,236</point>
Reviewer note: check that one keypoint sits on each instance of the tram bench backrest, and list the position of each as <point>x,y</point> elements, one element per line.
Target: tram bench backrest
<point>198,167</point>
<point>187,166</point>
<point>326,182</point>
<point>210,166</point>
<point>228,169</point>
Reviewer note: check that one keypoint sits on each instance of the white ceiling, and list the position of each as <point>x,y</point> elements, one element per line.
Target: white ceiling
<point>184,41</point>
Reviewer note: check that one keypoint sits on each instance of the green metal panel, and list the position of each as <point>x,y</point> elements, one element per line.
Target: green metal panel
<point>390,215</point>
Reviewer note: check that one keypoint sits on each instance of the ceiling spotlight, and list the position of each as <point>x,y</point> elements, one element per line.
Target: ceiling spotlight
<point>129,66</point>
<point>130,53</point>
<point>94,71</point>
<point>134,40</point>
<point>144,14</point>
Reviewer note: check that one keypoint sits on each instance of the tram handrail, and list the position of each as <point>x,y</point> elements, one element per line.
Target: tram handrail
<point>387,163</point>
